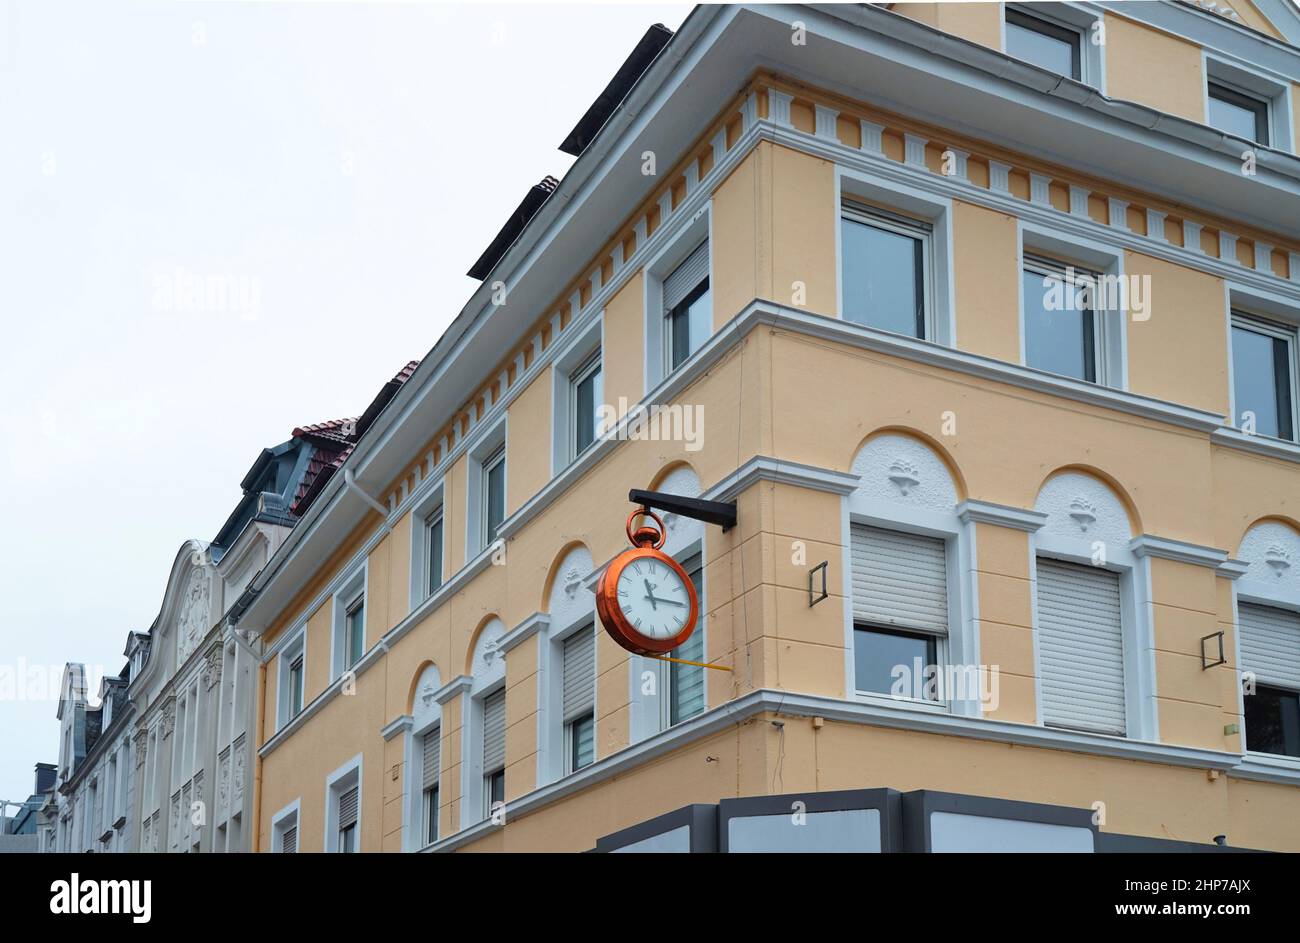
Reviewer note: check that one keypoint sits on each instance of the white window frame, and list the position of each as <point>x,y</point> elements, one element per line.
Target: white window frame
<point>1244,78</point>
<point>353,589</point>
<point>422,818</point>
<point>338,782</point>
<point>1140,712</point>
<point>682,243</point>
<point>429,506</point>
<point>1101,327</point>
<point>694,549</point>
<point>482,456</point>
<point>581,355</point>
<point>295,645</point>
<point>877,193</point>
<point>476,804</point>
<point>1077,18</point>
<point>900,224</point>
<point>288,817</point>
<point>553,758</point>
<point>1096,259</point>
<point>1268,324</point>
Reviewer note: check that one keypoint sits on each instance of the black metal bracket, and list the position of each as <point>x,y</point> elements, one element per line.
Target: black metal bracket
<point>813,597</point>
<point>1207,663</point>
<point>722,513</point>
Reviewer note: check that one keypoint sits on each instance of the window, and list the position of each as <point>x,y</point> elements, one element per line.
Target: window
<point>1270,651</point>
<point>347,819</point>
<point>579,698</point>
<point>494,495</point>
<point>1063,331</point>
<point>433,551</point>
<point>290,681</point>
<point>432,753</point>
<point>686,682</point>
<point>886,280</point>
<point>1081,647</point>
<point>494,750</point>
<point>1264,376</point>
<point>1237,113</point>
<point>584,398</point>
<point>688,307</point>
<point>354,632</point>
<point>343,808</point>
<point>900,612</point>
<point>1043,43</point>
<point>295,685</point>
<point>284,830</point>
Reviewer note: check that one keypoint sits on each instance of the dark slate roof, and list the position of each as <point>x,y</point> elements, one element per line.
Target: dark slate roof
<point>514,225</point>
<point>585,131</point>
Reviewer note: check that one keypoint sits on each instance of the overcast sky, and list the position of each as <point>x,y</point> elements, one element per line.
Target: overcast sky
<point>344,164</point>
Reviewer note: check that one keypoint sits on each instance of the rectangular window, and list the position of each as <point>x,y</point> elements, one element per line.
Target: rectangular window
<point>584,398</point>
<point>1264,376</point>
<point>494,750</point>
<point>1237,113</point>
<point>432,755</point>
<point>433,551</point>
<point>1081,647</point>
<point>494,495</point>
<point>688,307</point>
<point>686,682</point>
<point>1062,326</point>
<point>1045,44</point>
<point>354,629</point>
<point>348,815</point>
<point>295,685</point>
<point>579,698</point>
<point>886,273</point>
<point>900,611</point>
<point>1270,652</point>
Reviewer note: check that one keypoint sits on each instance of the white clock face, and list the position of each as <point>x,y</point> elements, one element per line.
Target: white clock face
<point>653,598</point>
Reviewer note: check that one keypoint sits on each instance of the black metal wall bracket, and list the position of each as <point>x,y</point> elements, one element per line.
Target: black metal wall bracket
<point>1209,661</point>
<point>722,513</point>
<point>815,596</point>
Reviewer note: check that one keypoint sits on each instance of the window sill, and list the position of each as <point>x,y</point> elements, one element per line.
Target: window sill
<point>1269,767</point>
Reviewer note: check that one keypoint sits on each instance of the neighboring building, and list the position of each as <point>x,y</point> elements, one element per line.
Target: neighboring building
<point>24,830</point>
<point>842,269</point>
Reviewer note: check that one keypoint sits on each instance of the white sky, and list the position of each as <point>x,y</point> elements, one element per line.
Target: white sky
<point>350,161</point>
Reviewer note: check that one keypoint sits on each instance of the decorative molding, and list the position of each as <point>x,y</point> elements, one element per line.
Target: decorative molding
<point>1165,548</point>
<point>827,120</point>
<point>1040,189</point>
<point>397,725</point>
<point>778,107</point>
<point>914,150</point>
<point>1156,225</point>
<point>763,468</point>
<point>1192,237</point>
<point>1228,248</point>
<point>1117,213</point>
<point>1260,445</point>
<point>960,163</point>
<point>457,686</point>
<point>999,176</point>
<point>1263,257</point>
<point>986,512</point>
<point>1079,202</point>
<point>873,136</point>
<point>537,622</point>
<point>1232,569</point>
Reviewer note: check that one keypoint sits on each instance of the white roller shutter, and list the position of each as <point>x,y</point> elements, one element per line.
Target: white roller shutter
<point>348,808</point>
<point>494,732</point>
<point>1270,644</point>
<point>686,277</point>
<point>1080,647</point>
<point>579,673</point>
<point>899,580</point>
<point>432,757</point>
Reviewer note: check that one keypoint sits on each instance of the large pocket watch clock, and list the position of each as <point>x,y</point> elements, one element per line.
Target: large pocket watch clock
<point>645,600</point>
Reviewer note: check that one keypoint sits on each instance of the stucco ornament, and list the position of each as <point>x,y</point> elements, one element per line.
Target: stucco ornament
<point>898,468</point>
<point>1083,508</point>
<point>572,581</point>
<point>1271,548</point>
<point>193,622</point>
<point>168,717</point>
<point>1083,512</point>
<point>141,745</point>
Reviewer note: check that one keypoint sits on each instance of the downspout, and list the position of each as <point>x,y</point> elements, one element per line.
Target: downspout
<point>255,843</point>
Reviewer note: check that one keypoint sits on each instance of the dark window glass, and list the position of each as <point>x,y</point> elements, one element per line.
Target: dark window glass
<point>883,278</point>
<point>431,814</point>
<point>348,840</point>
<point>690,323</point>
<point>1261,381</point>
<point>1051,47</point>
<point>878,652</point>
<point>1238,114</point>
<point>496,789</point>
<point>582,741</point>
<point>1060,335</point>
<point>356,633</point>
<point>435,551</point>
<point>496,497</point>
<point>1273,721</point>
<point>686,682</point>
<point>584,413</point>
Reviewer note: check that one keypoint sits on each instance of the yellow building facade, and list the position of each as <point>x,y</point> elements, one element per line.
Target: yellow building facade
<point>816,236</point>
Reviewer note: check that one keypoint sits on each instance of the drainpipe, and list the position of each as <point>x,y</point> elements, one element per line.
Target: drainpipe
<point>351,482</point>
<point>255,840</point>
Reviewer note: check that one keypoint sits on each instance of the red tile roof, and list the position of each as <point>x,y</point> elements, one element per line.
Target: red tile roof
<point>335,440</point>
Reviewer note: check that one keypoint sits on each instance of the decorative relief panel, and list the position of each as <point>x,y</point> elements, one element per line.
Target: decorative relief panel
<point>900,468</point>
<point>1084,508</point>
<point>426,708</point>
<point>195,614</point>
<point>489,660</point>
<point>1272,549</point>
<point>682,531</point>
<point>237,774</point>
<point>570,600</point>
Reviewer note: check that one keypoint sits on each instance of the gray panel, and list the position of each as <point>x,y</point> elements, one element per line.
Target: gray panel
<point>676,841</point>
<point>847,830</point>
<point>953,832</point>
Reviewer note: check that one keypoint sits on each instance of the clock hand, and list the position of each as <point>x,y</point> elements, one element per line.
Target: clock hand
<point>650,595</point>
<point>671,602</point>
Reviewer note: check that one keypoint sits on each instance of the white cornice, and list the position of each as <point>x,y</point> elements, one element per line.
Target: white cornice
<point>1260,445</point>
<point>1149,545</point>
<point>762,468</point>
<point>537,622</point>
<point>986,512</point>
